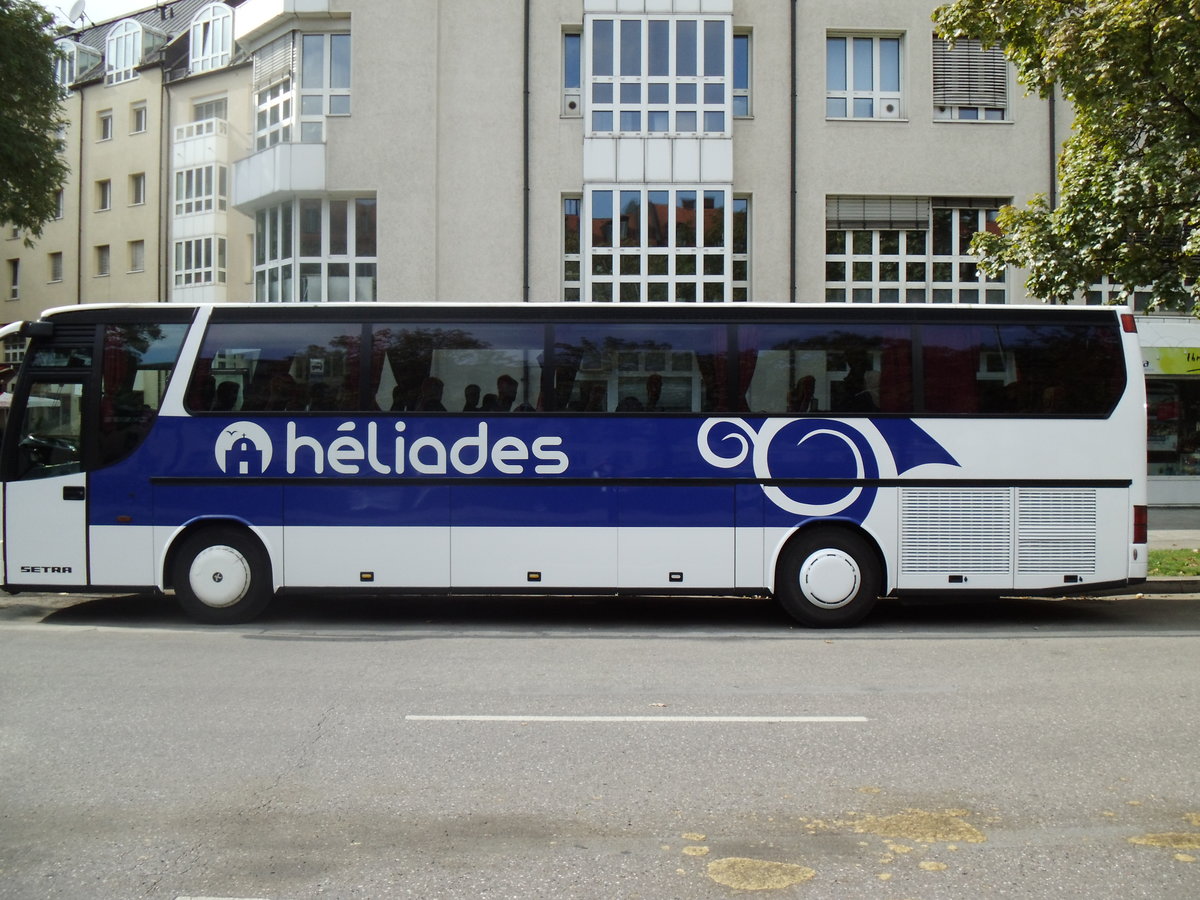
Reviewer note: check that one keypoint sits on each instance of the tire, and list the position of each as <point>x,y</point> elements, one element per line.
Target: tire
<point>828,578</point>
<point>222,576</point>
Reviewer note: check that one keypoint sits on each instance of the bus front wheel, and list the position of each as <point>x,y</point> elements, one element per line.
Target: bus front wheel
<point>222,576</point>
<point>828,578</point>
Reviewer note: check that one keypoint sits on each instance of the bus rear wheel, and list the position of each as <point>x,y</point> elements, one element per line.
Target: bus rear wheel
<point>828,578</point>
<point>222,576</point>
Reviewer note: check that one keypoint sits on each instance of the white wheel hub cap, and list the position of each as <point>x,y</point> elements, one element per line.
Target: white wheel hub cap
<point>830,578</point>
<point>219,576</point>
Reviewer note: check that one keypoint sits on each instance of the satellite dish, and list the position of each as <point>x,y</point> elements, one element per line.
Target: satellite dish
<point>76,12</point>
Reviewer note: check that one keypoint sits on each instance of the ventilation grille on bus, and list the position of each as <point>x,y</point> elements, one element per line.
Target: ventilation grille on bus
<point>73,335</point>
<point>956,532</point>
<point>1056,531</point>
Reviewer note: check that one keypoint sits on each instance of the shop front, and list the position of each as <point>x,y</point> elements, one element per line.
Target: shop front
<point>1171,361</point>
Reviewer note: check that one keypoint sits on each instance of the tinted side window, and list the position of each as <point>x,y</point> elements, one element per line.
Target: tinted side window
<point>1022,369</point>
<point>826,367</point>
<point>627,367</point>
<point>483,367</point>
<point>281,366</point>
<point>138,362</point>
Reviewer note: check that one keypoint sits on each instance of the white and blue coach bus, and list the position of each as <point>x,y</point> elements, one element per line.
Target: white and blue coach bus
<point>822,454</point>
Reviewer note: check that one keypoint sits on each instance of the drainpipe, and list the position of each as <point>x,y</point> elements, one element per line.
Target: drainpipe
<point>79,202</point>
<point>525,164</point>
<point>1053,152</point>
<point>792,168</point>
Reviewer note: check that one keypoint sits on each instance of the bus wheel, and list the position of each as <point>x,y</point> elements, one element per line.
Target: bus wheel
<point>222,576</point>
<point>828,578</point>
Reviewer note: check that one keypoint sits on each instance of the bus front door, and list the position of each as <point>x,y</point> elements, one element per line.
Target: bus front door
<point>45,491</point>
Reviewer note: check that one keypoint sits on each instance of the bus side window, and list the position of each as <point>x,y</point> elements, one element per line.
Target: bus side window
<point>137,363</point>
<point>50,441</point>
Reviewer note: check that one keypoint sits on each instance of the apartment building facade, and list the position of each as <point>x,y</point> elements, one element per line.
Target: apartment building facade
<point>653,151</point>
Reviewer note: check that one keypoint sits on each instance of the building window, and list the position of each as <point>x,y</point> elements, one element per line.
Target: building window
<point>970,82</point>
<point>212,38</point>
<point>137,256</point>
<point>572,99</point>
<point>654,76</point>
<point>572,207</point>
<point>201,189</point>
<point>137,189</point>
<point>55,261</point>
<point>104,125</point>
<point>910,250</point>
<point>741,76</point>
<point>123,51</point>
<point>314,250</point>
<point>103,260</point>
<point>217,108</point>
<point>200,261</point>
<point>1108,291</point>
<point>862,77</point>
<point>103,195</point>
<point>14,279</point>
<point>659,244</point>
<point>60,203</point>
<point>137,118</point>
<point>273,119</point>
<point>324,82</point>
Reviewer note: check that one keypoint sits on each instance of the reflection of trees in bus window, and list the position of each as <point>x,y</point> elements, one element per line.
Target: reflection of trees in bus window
<point>137,363</point>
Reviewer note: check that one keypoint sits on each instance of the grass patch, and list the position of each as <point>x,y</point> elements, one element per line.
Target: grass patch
<point>1174,563</point>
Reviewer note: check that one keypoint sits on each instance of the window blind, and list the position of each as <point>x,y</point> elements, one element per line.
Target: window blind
<point>877,212</point>
<point>969,75</point>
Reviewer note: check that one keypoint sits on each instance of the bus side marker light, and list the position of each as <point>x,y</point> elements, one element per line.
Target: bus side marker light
<point>533,576</point>
<point>676,576</point>
<point>124,520</point>
<point>366,577</point>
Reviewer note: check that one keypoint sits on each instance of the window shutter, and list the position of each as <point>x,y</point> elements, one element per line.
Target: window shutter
<point>273,62</point>
<point>877,212</point>
<point>969,75</point>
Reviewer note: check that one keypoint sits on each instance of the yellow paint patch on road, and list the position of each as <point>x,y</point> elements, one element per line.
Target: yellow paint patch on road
<point>1184,857</point>
<point>930,865</point>
<point>743,874</point>
<point>695,850</point>
<point>1171,840</point>
<point>1193,819</point>
<point>693,836</point>
<point>923,827</point>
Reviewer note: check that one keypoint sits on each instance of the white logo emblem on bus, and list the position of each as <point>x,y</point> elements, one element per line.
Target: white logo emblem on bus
<point>244,448</point>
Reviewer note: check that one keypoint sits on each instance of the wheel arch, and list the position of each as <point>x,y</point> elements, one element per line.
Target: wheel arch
<point>846,525</point>
<point>170,547</point>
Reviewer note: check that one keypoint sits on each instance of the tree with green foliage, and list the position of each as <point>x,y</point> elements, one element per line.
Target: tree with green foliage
<point>32,168</point>
<point>1129,173</point>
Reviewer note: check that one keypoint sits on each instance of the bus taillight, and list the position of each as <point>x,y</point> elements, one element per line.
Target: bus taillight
<point>1141,531</point>
<point>1128,323</point>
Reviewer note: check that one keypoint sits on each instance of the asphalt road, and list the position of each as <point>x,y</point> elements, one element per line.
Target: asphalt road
<point>599,750</point>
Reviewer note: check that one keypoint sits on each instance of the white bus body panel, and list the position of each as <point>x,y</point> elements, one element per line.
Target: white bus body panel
<point>583,557</point>
<point>45,535</point>
<point>122,555</point>
<point>700,557</point>
<point>342,557</point>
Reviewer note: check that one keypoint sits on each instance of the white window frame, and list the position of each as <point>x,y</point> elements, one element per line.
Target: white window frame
<point>104,122</point>
<point>285,272</point>
<point>319,98</point>
<point>274,115</point>
<point>572,247</point>
<point>664,104</point>
<point>211,43</point>
<point>123,51</point>
<point>201,189</point>
<point>908,261</point>
<point>200,261</point>
<point>745,109</point>
<point>103,260</point>
<point>55,263</point>
<point>572,73</point>
<point>210,108</point>
<point>886,102</point>
<point>60,203</point>
<point>103,195</point>
<point>691,272</point>
<point>14,279</point>
<point>139,116</point>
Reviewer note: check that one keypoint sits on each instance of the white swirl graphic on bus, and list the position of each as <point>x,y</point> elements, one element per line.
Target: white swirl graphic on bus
<point>845,454</point>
